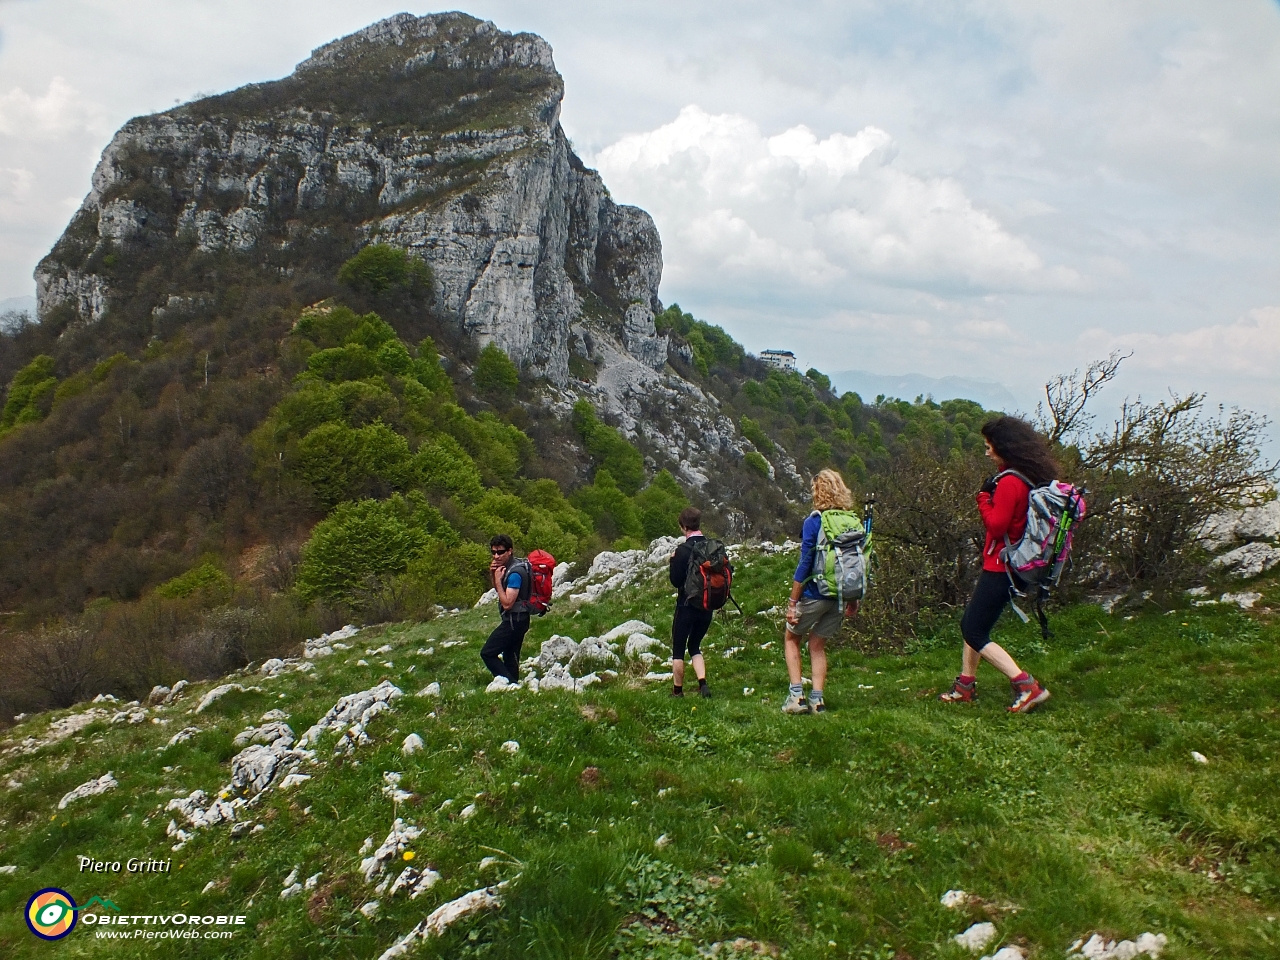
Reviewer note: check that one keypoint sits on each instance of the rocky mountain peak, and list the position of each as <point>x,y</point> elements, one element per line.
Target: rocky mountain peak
<point>437,134</point>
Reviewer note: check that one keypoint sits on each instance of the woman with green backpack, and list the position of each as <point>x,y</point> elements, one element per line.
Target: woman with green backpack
<point>812,610</point>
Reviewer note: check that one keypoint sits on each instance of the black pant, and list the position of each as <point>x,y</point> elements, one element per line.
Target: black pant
<point>689,625</point>
<point>501,652</point>
<point>990,597</point>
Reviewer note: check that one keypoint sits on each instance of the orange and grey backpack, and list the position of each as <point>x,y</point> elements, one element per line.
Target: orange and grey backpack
<point>709,580</point>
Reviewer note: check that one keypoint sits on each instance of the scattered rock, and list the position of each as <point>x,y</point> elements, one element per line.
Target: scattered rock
<point>352,714</point>
<point>291,891</point>
<point>1250,560</point>
<point>273,715</point>
<point>500,684</point>
<point>639,644</point>
<point>592,654</point>
<point>90,788</point>
<point>9,870</point>
<point>743,945</point>
<point>1007,953</point>
<point>391,787</point>
<point>412,744</point>
<point>220,691</point>
<point>416,881</point>
<point>158,695</point>
<point>183,735</point>
<point>444,916</point>
<point>558,650</point>
<point>430,690</point>
<point>467,812</point>
<point>1098,947</point>
<point>1244,600</point>
<point>628,629</point>
<point>324,645</point>
<point>955,899</point>
<point>292,780</point>
<point>976,938</point>
<point>397,842</point>
<point>510,746</point>
<point>370,909</point>
<point>662,842</point>
<point>272,732</point>
<point>1199,757</point>
<point>130,716</point>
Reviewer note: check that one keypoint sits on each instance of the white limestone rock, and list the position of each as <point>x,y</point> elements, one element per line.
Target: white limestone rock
<point>639,643</point>
<point>976,938</point>
<point>351,715</point>
<point>445,916</point>
<point>91,788</point>
<point>627,629</point>
<point>592,654</point>
<point>1250,560</point>
<point>412,744</point>
<point>397,842</point>
<point>430,690</point>
<point>556,651</point>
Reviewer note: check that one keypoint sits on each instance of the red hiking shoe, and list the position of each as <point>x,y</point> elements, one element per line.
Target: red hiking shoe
<point>960,692</point>
<point>1027,695</point>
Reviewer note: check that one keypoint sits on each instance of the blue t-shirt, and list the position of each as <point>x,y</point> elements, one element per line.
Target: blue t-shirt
<point>808,552</point>
<point>513,581</point>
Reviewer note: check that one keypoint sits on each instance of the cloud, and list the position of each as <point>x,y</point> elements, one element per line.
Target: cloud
<point>1248,347</point>
<point>56,113</point>
<point>792,209</point>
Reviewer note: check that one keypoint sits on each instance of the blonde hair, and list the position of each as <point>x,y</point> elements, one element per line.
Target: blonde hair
<point>830,493</point>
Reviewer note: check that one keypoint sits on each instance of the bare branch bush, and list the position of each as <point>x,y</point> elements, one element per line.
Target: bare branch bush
<point>1063,416</point>
<point>62,663</point>
<point>1159,473</point>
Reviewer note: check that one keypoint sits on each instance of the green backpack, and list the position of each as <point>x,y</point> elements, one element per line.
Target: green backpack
<point>840,564</point>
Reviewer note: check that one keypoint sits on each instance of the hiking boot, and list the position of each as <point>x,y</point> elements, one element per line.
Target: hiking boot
<point>677,693</point>
<point>817,706</point>
<point>960,692</point>
<point>704,692</point>
<point>794,704</point>
<point>1027,694</point>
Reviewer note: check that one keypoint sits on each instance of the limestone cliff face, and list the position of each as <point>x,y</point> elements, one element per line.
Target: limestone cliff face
<point>438,134</point>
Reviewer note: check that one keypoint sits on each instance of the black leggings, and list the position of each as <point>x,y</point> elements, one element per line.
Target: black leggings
<point>501,652</point>
<point>990,597</point>
<point>689,626</point>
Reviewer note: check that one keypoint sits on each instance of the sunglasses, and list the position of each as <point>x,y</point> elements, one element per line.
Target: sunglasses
<point>501,552</point>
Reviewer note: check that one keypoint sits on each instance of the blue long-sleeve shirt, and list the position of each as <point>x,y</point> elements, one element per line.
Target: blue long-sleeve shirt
<point>808,552</point>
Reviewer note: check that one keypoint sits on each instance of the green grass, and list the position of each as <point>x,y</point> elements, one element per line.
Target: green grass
<point>1089,814</point>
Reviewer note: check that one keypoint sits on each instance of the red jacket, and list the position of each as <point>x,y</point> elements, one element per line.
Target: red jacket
<point>1004,514</point>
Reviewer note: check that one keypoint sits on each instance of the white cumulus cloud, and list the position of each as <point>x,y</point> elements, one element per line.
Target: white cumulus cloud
<point>57,112</point>
<point>1247,347</point>
<point>791,209</point>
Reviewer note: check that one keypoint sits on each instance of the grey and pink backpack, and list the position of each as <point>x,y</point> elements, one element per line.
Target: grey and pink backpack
<point>1038,559</point>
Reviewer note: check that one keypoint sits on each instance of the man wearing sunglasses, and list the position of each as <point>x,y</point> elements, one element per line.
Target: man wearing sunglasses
<point>512,578</point>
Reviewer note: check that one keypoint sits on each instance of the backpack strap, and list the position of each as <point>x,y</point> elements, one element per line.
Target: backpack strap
<point>1021,476</point>
<point>522,566</point>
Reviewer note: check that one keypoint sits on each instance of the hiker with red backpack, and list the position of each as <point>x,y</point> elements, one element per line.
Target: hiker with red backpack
<point>1025,477</point>
<point>512,578</point>
<point>701,573</point>
<point>829,581</point>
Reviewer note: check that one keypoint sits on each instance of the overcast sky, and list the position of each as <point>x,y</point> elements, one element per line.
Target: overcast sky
<point>983,188</point>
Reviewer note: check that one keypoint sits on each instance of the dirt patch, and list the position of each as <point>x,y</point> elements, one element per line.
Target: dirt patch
<point>318,903</point>
<point>890,842</point>
<point>589,779</point>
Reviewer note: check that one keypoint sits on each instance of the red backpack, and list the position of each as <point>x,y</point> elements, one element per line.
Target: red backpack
<point>543,566</point>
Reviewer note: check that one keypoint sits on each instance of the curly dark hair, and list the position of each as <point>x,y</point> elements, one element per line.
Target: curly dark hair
<point>1021,448</point>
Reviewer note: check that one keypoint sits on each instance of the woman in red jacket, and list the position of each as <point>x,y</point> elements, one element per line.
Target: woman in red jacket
<point>1013,445</point>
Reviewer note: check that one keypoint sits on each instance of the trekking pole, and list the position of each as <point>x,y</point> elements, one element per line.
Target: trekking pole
<point>868,516</point>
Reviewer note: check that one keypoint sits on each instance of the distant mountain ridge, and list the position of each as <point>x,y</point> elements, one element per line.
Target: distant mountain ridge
<point>908,386</point>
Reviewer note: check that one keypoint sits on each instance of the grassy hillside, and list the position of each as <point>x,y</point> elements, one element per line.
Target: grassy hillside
<point>631,824</point>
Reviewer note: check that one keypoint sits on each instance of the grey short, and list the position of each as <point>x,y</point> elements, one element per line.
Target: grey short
<point>820,617</point>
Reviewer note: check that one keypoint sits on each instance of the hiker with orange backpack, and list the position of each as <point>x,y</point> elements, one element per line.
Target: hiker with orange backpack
<point>701,573</point>
<point>1023,462</point>
<point>512,578</point>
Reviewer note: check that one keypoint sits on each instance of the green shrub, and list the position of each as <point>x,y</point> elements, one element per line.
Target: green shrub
<point>445,469</point>
<point>609,508</point>
<point>380,269</point>
<point>609,449</point>
<point>448,574</point>
<point>358,549</point>
<point>30,393</point>
<point>757,463</point>
<point>208,579</point>
<point>659,505</point>
<point>752,431</point>
<point>495,374</point>
<point>338,462</point>
<point>352,361</point>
